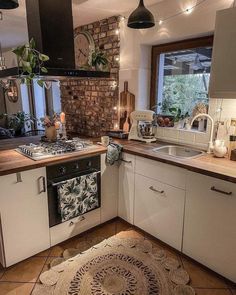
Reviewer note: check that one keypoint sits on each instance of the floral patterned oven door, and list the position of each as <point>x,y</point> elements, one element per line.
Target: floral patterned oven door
<point>78,195</point>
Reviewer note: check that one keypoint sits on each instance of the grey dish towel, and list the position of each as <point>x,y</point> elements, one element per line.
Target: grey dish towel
<point>113,153</point>
<point>77,196</point>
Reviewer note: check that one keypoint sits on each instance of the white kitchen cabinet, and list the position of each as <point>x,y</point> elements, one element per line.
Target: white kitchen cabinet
<point>109,190</point>
<point>126,188</point>
<point>159,210</point>
<point>75,226</point>
<point>24,215</point>
<point>162,172</point>
<point>223,68</point>
<point>210,223</point>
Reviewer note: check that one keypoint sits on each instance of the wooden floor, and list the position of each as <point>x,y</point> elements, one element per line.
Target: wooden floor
<point>20,279</point>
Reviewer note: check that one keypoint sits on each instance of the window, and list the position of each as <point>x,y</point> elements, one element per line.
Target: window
<point>180,75</point>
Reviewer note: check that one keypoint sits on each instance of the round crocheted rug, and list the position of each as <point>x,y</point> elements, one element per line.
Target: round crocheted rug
<point>116,266</point>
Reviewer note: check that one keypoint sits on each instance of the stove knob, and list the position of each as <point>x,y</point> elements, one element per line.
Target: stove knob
<point>62,170</point>
<point>76,166</point>
<point>89,164</point>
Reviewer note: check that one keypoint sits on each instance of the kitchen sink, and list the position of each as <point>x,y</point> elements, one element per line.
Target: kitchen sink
<point>178,151</point>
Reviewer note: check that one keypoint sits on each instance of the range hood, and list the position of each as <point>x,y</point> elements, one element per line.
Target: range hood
<point>50,23</point>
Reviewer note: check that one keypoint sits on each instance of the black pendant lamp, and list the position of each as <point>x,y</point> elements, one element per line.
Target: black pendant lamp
<point>141,18</point>
<point>9,4</point>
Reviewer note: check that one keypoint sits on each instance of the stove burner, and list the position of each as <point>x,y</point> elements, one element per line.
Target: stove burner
<point>46,150</point>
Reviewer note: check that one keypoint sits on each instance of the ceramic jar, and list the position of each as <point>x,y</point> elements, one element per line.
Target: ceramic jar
<point>220,150</point>
<point>51,133</point>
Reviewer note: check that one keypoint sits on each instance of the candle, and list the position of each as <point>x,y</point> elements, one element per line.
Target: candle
<point>57,125</point>
<point>63,118</point>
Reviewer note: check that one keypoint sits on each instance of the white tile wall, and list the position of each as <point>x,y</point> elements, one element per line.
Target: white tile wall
<point>220,109</point>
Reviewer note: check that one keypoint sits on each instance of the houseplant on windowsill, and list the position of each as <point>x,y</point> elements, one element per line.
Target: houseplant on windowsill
<point>17,122</point>
<point>30,63</point>
<point>179,118</point>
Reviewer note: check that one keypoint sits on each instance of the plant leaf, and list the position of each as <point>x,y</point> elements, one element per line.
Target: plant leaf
<point>44,70</point>
<point>43,57</point>
<point>40,83</point>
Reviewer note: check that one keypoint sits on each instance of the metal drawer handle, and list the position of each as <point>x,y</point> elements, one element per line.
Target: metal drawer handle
<point>43,190</point>
<point>156,190</point>
<point>125,161</point>
<point>220,191</point>
<point>81,218</point>
<point>18,177</point>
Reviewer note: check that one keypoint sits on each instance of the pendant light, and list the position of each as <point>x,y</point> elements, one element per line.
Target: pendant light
<point>141,18</point>
<point>8,4</point>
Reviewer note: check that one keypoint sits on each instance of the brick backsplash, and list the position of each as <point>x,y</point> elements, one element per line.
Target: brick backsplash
<point>88,102</point>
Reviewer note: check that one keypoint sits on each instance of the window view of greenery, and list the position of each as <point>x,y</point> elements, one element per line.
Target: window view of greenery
<point>183,80</point>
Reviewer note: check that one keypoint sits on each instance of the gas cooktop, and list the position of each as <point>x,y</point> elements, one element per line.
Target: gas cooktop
<point>45,150</point>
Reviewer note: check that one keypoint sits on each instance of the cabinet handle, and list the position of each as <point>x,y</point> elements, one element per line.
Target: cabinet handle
<point>18,177</point>
<point>156,190</point>
<point>125,161</point>
<point>43,190</point>
<point>220,191</point>
<point>81,218</point>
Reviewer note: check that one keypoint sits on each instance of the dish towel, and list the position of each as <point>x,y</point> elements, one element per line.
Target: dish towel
<point>113,153</point>
<point>77,196</point>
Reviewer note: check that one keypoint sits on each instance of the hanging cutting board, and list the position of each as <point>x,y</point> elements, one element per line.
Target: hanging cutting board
<point>127,105</point>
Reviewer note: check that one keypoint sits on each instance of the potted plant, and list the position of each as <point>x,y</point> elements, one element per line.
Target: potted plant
<point>30,63</point>
<point>99,60</point>
<point>179,118</point>
<point>49,124</point>
<point>17,122</point>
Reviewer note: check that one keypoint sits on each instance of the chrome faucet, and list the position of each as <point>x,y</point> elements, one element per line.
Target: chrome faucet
<point>210,144</point>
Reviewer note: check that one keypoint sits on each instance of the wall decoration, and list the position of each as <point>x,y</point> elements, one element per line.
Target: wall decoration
<point>84,46</point>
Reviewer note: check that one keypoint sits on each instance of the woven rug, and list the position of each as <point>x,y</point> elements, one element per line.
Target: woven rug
<point>115,266</point>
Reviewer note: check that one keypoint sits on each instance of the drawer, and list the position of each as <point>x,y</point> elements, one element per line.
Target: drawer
<point>162,172</point>
<point>159,210</point>
<point>75,226</point>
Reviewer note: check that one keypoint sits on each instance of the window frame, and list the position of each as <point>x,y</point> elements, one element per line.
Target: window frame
<point>157,50</point>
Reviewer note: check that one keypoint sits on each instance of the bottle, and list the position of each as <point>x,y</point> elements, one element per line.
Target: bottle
<point>232,145</point>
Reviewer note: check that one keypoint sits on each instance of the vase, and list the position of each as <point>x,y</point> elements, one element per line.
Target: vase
<point>51,133</point>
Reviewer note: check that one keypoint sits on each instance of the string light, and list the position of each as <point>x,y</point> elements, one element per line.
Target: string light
<point>117,32</point>
<point>188,10</point>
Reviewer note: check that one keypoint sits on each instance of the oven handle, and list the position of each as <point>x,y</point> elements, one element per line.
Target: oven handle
<point>64,181</point>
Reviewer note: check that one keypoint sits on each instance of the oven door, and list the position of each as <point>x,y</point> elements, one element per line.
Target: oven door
<point>55,206</point>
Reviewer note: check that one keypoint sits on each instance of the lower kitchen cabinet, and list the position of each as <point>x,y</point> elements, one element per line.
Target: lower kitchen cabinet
<point>210,223</point>
<point>159,210</point>
<point>109,190</point>
<point>24,215</point>
<point>126,188</point>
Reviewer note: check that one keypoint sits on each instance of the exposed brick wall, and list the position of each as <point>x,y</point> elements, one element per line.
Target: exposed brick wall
<point>89,103</point>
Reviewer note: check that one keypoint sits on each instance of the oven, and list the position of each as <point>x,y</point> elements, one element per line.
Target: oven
<point>74,188</point>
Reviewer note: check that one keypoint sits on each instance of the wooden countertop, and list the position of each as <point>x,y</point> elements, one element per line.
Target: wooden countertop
<point>12,162</point>
<point>221,168</point>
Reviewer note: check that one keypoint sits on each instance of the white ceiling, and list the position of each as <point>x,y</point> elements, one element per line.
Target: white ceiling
<point>88,11</point>
<point>13,27</point>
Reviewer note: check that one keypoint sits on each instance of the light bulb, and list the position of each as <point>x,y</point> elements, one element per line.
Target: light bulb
<point>160,22</point>
<point>117,32</point>
<point>189,10</point>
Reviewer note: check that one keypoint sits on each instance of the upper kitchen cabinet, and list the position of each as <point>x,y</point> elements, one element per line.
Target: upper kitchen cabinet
<point>223,71</point>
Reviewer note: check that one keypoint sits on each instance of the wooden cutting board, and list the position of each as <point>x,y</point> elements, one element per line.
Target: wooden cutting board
<point>127,105</point>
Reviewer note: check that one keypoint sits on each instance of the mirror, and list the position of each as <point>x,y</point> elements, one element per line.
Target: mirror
<point>22,106</point>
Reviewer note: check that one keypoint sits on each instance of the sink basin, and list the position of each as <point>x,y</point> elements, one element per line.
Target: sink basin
<point>178,151</point>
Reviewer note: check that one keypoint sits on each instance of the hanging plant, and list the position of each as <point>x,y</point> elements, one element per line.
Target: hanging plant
<point>30,63</point>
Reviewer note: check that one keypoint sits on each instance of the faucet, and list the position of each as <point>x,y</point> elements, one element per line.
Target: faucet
<point>210,145</point>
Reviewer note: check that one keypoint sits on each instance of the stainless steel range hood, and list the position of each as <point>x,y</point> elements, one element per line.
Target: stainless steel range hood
<point>50,23</point>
